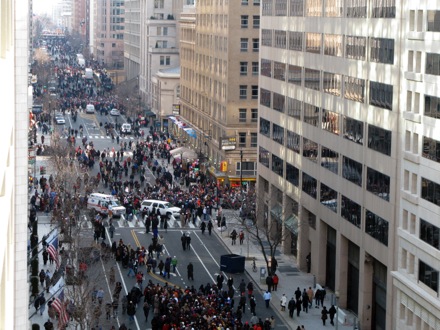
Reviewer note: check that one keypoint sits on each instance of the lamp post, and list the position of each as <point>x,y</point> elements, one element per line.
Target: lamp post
<point>241,172</point>
<point>337,308</point>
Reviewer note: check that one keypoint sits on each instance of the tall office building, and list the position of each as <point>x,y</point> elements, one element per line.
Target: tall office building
<point>132,39</point>
<point>329,143</point>
<point>14,289</point>
<point>219,86</point>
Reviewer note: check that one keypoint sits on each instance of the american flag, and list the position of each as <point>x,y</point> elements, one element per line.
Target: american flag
<point>60,308</point>
<point>53,248</point>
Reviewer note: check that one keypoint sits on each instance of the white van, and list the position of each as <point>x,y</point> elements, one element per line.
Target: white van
<point>90,108</point>
<point>88,73</point>
<point>165,208</point>
<point>102,203</point>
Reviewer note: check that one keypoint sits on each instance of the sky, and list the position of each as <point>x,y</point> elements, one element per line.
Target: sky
<point>43,6</point>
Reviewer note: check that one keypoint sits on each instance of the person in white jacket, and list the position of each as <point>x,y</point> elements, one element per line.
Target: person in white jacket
<point>283,302</point>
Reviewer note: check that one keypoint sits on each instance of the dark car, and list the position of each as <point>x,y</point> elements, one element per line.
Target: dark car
<point>37,109</point>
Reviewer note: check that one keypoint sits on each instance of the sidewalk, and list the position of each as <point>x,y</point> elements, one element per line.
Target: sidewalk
<point>290,278</point>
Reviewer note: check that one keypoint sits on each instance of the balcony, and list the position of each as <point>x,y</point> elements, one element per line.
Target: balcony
<point>157,50</point>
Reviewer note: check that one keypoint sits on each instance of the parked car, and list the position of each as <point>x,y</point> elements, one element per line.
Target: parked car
<point>59,119</point>
<point>165,208</point>
<point>90,108</point>
<point>115,112</point>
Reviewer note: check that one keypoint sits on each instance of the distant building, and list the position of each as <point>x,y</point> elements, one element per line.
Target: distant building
<point>166,95</point>
<point>132,38</point>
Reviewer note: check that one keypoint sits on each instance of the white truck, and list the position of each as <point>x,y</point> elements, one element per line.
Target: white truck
<point>88,73</point>
<point>103,203</point>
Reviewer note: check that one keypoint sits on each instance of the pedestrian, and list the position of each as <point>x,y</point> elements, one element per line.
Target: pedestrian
<point>298,293</point>
<point>48,325</point>
<point>111,230</point>
<point>324,313</point>
<point>146,309</point>
<point>322,296</point>
<point>267,296</point>
<point>331,313</point>
<point>269,282</point>
<point>283,302</point>
<point>100,295</point>
<point>310,294</point>
<point>183,239</point>
<point>42,304</point>
<point>234,237</point>
<point>317,298</point>
<point>161,266</point>
<point>42,276</point>
<point>242,287</point>
<point>124,303</point>
<point>209,227</point>
<point>174,264</point>
<point>131,311</point>
<point>165,225</point>
<point>45,256</point>
<point>252,304</point>
<point>230,282</point>
<point>112,276</point>
<point>241,237</point>
<point>275,280</point>
<point>272,322</point>
<point>48,280</point>
<point>220,280</point>
<point>242,303</point>
<point>291,307</point>
<point>250,288</point>
<point>305,301</point>
<point>298,306</point>
<point>273,265</point>
<point>190,270</point>
<point>203,227</point>
<point>188,241</point>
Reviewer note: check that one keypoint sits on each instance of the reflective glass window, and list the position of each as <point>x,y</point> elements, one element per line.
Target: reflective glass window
<point>430,233</point>
<point>313,42</point>
<point>266,68</point>
<point>295,75</point>
<point>313,8</point>
<point>351,211</point>
<point>278,134</point>
<point>312,79</point>
<point>431,149</point>
<point>330,121</point>
<point>329,197</point>
<point>267,7</point>
<point>378,184</point>
<point>353,130</point>
<point>263,157</point>
<point>254,140</point>
<point>277,165</point>
<point>309,185</point>
<point>296,40</point>
<point>382,50</point>
<point>256,21</point>
<point>297,8</point>
<point>266,37</point>
<point>383,9</point>
<point>292,174</point>
<point>354,89</point>
<point>279,70</point>
<point>333,45</point>
<point>352,170</point>
<point>310,150</point>
<point>279,102</point>
<point>379,139</point>
<point>332,83</point>
<point>428,275</point>
<point>356,8</point>
<point>280,39</point>
<point>432,106</point>
<point>264,127</point>
<point>329,159</point>
<point>293,141</point>
<point>255,68</point>
<point>432,64</point>
<point>376,227</point>
<point>311,114</point>
<point>431,191</point>
<point>254,115</point>
<point>243,68</point>
<point>280,7</point>
<point>294,108</point>
<point>333,8</point>
<point>433,18</point>
<point>265,97</point>
<point>355,47</point>
<point>381,95</point>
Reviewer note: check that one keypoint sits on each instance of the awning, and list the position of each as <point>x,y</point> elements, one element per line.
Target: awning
<point>277,211</point>
<point>184,152</point>
<point>291,223</point>
<point>149,113</point>
<point>191,132</point>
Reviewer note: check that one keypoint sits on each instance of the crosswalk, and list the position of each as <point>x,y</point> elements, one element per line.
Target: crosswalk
<point>102,137</point>
<point>138,224</point>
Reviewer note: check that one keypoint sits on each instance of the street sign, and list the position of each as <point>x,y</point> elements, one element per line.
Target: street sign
<point>228,143</point>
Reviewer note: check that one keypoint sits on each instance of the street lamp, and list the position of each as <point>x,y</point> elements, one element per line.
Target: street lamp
<point>241,171</point>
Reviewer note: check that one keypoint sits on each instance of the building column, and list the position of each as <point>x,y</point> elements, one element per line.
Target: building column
<point>342,266</point>
<point>319,250</point>
<point>366,295</point>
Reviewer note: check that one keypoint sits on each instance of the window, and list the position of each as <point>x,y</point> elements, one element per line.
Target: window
<point>279,71</point>
<point>280,7</point>
<point>351,211</point>
<point>310,150</point>
<point>243,92</point>
<point>255,44</point>
<point>254,115</point>
<point>165,60</point>
<point>312,79</point>
<point>161,44</point>
<point>254,91</point>
<point>280,39</point>
<point>354,89</point>
<point>381,95</point>
<point>295,75</point>
<point>244,2</point>
<point>355,47</point>
<point>382,50</point>
<point>293,141</point>
<point>330,121</point>
<point>263,157</point>
<point>352,170</point>
<point>266,37</point>
<point>309,185</point>
<point>385,9</point>
<point>313,8</point>
<point>356,8</point>
<point>431,149</point>
<point>311,114</point>
<point>244,21</point>
<point>279,102</point>
<point>266,68</point>
<point>256,2</point>
<point>244,44</point>
<point>265,97</point>
<point>278,134</point>
<point>329,159</point>
<point>433,20</point>
<point>277,165</point>
<point>267,8</point>
<point>332,83</point>
<point>430,234</point>
<point>254,140</point>
<point>329,198</point>
<point>428,275</point>
<point>432,106</point>
<point>292,174</point>
<point>431,191</point>
<point>333,45</point>
<point>378,184</point>
<point>296,40</point>
<point>376,227</point>
<point>353,130</point>
<point>333,8</point>
<point>313,43</point>
<point>255,68</point>
<point>158,4</point>
<point>297,8</point>
<point>432,64</point>
<point>379,139</point>
<point>242,115</point>
<point>256,21</point>
<point>294,108</point>
<point>264,127</point>
<point>243,68</point>
<point>242,139</point>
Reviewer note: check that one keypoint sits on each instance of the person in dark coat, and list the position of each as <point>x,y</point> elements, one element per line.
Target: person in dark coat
<point>298,306</point>
<point>131,310</point>
<point>291,306</point>
<point>331,313</point>
<point>45,257</point>
<point>252,304</point>
<point>188,242</point>
<point>190,269</point>
<point>269,282</point>
<point>209,227</point>
<point>324,313</point>
<point>183,239</point>
<point>146,309</point>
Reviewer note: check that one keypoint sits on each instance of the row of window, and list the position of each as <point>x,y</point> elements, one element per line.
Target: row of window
<point>330,8</point>
<point>242,140</point>
<point>375,226</point>
<point>243,115</point>
<point>246,2</point>
<point>243,92</point>
<point>244,44</point>
<point>244,68</point>
<point>244,21</point>
<point>380,50</point>
<point>431,191</point>
<point>380,94</point>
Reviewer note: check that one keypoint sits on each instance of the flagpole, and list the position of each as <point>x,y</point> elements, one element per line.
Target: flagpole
<point>30,251</point>
<point>36,312</point>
